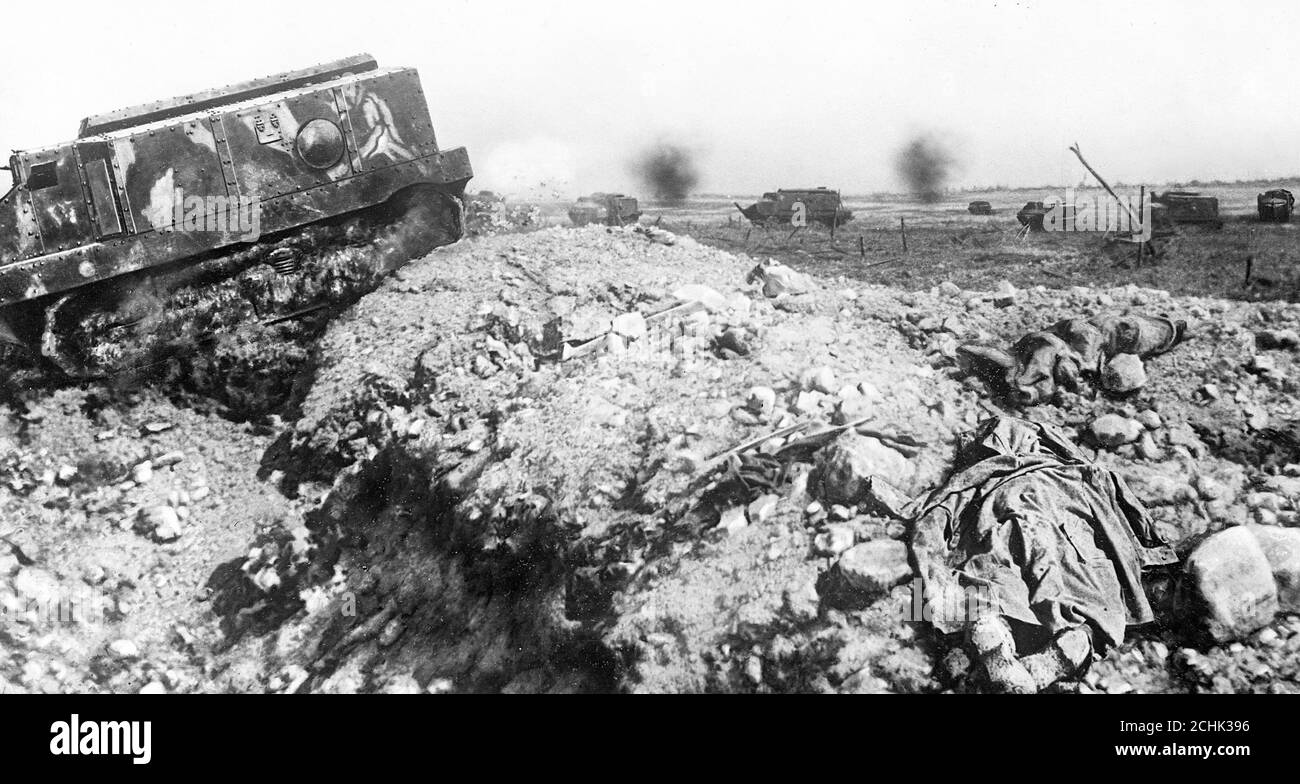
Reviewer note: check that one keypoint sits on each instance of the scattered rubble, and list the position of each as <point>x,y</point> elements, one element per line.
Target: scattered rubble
<point>604,459</point>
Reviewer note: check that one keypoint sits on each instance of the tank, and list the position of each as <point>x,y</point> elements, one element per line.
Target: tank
<point>1190,207</point>
<point>1275,205</point>
<point>979,208</point>
<point>145,193</point>
<point>821,205</point>
<point>608,209</point>
<point>1032,215</point>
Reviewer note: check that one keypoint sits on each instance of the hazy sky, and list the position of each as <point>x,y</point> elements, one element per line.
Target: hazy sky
<point>767,92</point>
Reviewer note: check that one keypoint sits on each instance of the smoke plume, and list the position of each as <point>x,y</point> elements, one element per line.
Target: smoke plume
<point>669,171</point>
<point>925,165</point>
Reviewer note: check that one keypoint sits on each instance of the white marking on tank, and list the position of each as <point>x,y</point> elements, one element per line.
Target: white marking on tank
<point>161,205</point>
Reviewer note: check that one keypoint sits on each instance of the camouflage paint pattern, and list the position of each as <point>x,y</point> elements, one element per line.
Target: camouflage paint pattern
<point>104,205</point>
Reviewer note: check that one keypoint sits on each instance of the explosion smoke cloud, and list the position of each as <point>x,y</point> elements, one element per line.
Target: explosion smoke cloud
<point>925,164</point>
<point>669,171</point>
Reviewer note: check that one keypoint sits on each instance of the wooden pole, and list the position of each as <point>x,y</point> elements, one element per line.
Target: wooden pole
<point>1093,172</point>
<point>902,224</point>
<point>862,248</point>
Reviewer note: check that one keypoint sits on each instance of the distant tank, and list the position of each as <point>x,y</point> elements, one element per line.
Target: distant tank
<point>1190,207</point>
<point>1032,215</point>
<point>979,208</point>
<point>608,209</point>
<point>1275,205</point>
<point>144,194</point>
<point>821,205</point>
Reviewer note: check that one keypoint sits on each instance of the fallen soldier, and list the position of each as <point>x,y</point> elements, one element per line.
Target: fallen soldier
<point>777,279</point>
<point>1053,545</point>
<point>1066,355</point>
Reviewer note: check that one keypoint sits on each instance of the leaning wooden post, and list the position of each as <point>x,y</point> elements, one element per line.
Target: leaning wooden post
<point>902,225</point>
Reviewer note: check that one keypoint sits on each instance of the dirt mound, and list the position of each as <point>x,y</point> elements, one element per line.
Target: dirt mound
<point>600,459</point>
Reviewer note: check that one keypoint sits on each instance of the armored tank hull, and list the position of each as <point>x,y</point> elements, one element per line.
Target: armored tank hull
<point>1275,206</point>
<point>806,205</point>
<point>175,193</point>
<point>608,209</point>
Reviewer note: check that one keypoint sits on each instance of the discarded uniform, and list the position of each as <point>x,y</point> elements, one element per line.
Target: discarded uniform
<point>1046,539</point>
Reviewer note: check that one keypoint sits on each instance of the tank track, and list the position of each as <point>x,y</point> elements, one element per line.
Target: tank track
<point>282,285</point>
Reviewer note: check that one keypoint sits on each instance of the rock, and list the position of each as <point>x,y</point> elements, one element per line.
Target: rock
<point>734,339</point>
<point>1277,339</point>
<point>168,459</point>
<point>761,401</point>
<point>153,428</point>
<point>834,540</point>
<point>870,392</point>
<point>1209,488</point>
<point>630,325</point>
<point>801,600</point>
<point>66,474</point>
<point>779,279</point>
<point>733,519</point>
<point>848,464</point>
<point>153,687</point>
<point>1285,486</point>
<point>949,289</point>
<point>1264,516</point>
<point>1123,373</point>
<point>484,367</point>
<point>1148,449</point>
<point>1264,500</point>
<point>819,379</point>
<point>1262,363</point>
<point>402,684</point>
<point>1149,419</point>
<point>9,563</point>
<point>1282,548</point>
<point>124,649</point>
<point>841,512</point>
<point>37,586</point>
<point>160,522</point>
<point>1230,584</point>
<point>884,499</point>
<point>763,507</point>
<point>709,298</point>
<point>142,473</point>
<point>1005,296</point>
<point>1112,430</point>
<point>875,567</point>
<point>1211,391</point>
<point>808,402</point>
<point>956,664</point>
<point>852,409</point>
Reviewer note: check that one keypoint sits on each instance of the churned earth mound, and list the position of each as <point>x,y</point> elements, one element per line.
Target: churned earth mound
<point>501,509</point>
<point>609,459</point>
